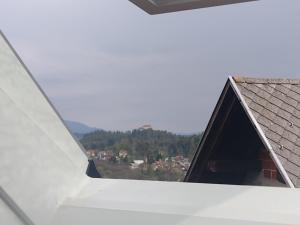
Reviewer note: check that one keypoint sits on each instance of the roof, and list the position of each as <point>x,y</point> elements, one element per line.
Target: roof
<point>273,108</point>
<point>40,161</point>
<point>165,6</point>
<point>275,105</point>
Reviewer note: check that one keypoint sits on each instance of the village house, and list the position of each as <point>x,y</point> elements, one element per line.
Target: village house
<point>253,136</point>
<point>105,155</point>
<point>123,154</point>
<point>91,153</point>
<point>158,165</point>
<point>184,164</point>
<point>136,164</point>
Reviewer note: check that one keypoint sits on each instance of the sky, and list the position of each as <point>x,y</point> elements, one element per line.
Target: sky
<point>110,65</point>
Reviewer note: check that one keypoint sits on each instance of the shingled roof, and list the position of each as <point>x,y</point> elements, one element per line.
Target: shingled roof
<point>275,105</point>
<point>273,108</point>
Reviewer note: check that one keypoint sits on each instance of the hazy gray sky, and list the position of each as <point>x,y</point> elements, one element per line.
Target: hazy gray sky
<point>108,64</point>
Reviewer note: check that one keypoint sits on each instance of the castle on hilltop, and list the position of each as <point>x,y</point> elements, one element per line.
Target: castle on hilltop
<point>146,127</point>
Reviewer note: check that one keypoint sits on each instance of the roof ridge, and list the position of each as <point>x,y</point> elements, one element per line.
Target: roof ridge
<point>253,80</point>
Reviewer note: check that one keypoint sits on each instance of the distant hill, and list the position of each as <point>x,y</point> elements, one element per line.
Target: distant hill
<point>79,128</point>
<point>139,143</point>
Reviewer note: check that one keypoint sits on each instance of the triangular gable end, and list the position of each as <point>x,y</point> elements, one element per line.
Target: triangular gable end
<point>233,145</point>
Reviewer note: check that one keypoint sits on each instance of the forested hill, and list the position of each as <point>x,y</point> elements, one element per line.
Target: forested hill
<point>143,143</point>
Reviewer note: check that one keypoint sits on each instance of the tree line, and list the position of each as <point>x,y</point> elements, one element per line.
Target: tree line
<point>153,144</point>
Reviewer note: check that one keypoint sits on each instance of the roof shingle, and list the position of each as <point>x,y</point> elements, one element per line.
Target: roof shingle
<point>275,104</point>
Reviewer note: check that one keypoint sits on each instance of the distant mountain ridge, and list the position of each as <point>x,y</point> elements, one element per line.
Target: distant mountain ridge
<point>80,128</point>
